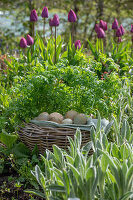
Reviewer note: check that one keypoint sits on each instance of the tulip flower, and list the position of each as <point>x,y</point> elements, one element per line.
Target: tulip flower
<point>23,42</point>
<point>115,24</point>
<point>96,28</point>
<point>51,22</point>
<point>72,16</point>
<point>103,25</point>
<point>118,32</point>
<point>30,40</point>
<point>131,28</point>
<point>33,16</point>
<point>119,40</point>
<point>44,12</point>
<point>55,22</point>
<point>44,15</point>
<point>122,29</point>
<point>77,44</point>
<point>101,33</point>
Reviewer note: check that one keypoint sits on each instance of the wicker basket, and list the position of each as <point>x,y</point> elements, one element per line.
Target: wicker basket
<point>32,134</point>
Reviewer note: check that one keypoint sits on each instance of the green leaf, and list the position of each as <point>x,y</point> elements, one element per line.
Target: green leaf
<point>129,175</point>
<point>127,196</point>
<point>108,127</point>
<point>56,188</point>
<point>93,50</point>
<point>66,182</point>
<point>20,150</point>
<point>78,138</point>
<point>8,139</point>
<point>58,154</point>
<point>58,51</point>
<point>40,194</point>
<point>74,170</point>
<point>104,141</point>
<point>112,165</point>
<point>40,177</point>
<point>115,151</point>
<point>89,173</point>
<point>98,127</point>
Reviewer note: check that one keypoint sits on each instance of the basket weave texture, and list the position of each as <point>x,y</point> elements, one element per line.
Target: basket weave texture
<point>44,137</point>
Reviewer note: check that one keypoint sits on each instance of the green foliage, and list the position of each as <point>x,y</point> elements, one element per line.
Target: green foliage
<point>117,59</point>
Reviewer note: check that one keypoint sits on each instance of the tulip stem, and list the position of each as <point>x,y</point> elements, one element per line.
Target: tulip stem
<point>51,31</point>
<point>72,33</point>
<point>33,30</point>
<point>44,31</point>
<point>55,44</point>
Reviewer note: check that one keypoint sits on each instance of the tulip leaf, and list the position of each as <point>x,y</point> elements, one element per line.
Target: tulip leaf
<point>93,50</point>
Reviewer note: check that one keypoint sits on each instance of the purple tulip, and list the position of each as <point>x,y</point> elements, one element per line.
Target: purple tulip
<point>77,44</point>
<point>55,21</point>
<point>101,33</point>
<point>115,24</point>
<point>103,25</point>
<point>44,12</point>
<point>118,32</point>
<point>23,42</point>
<point>51,22</point>
<point>33,16</point>
<point>119,40</point>
<point>96,28</point>
<point>72,16</point>
<point>122,29</point>
<point>131,28</point>
<point>30,40</point>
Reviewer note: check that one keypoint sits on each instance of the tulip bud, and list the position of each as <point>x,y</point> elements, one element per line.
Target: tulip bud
<point>44,12</point>
<point>55,21</point>
<point>77,44</point>
<point>122,29</point>
<point>103,25</point>
<point>119,40</point>
<point>96,28</point>
<point>23,42</point>
<point>100,33</point>
<point>30,40</point>
<point>72,16</point>
<point>118,32</point>
<point>51,22</point>
<point>33,16</point>
<point>115,24</point>
<point>131,28</point>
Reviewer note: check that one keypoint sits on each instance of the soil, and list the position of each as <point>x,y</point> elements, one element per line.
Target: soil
<point>8,191</point>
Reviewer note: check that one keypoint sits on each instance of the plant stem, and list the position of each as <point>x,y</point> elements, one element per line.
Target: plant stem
<point>33,30</point>
<point>55,44</point>
<point>102,45</point>
<point>44,31</point>
<point>72,33</point>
